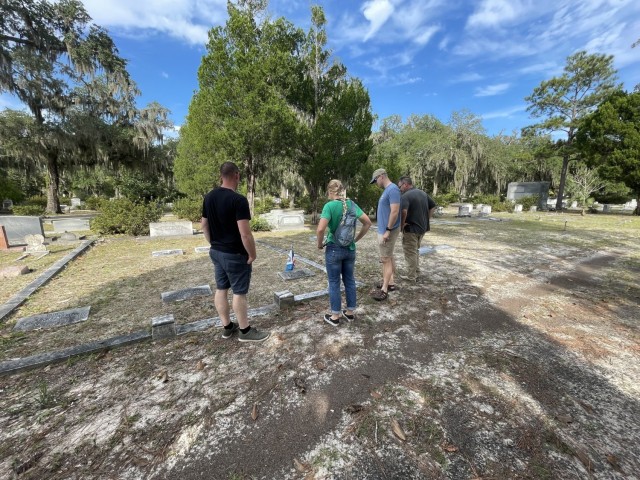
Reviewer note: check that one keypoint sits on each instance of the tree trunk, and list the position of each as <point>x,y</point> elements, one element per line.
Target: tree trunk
<point>53,203</point>
<point>563,179</point>
<point>637,210</point>
<point>435,187</point>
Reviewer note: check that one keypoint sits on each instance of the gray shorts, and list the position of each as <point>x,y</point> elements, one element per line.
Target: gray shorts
<point>231,270</point>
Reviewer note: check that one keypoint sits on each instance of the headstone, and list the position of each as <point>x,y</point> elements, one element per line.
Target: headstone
<point>606,208</point>
<point>7,204</point>
<point>479,206</point>
<point>163,327</point>
<point>68,237</point>
<point>4,242</point>
<point>184,294</point>
<point>35,243</point>
<point>170,229</point>
<point>485,210</point>
<point>517,208</point>
<point>464,211</point>
<point>19,226</point>
<point>574,204</point>
<point>167,253</point>
<point>440,210</point>
<point>202,249</point>
<point>70,225</point>
<point>280,219</point>
<point>296,274</point>
<point>518,190</point>
<point>14,271</point>
<point>75,202</point>
<point>533,208</point>
<point>65,208</point>
<point>54,319</point>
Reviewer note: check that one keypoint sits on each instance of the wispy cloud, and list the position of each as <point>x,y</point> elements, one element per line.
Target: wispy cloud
<point>467,77</point>
<point>377,12</point>
<point>505,113</point>
<point>494,13</point>
<point>491,90</point>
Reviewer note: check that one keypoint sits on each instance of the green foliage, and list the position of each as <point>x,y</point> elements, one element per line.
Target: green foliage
<point>285,202</point>
<point>94,203</point>
<point>529,201</point>
<point>31,210</point>
<point>141,186</point>
<point>124,216</point>
<point>613,193</point>
<point>444,199</point>
<point>264,205</point>
<point>305,203</point>
<point>10,189</point>
<point>189,208</point>
<point>259,224</point>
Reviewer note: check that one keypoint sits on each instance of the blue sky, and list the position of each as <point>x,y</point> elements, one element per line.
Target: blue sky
<point>414,56</point>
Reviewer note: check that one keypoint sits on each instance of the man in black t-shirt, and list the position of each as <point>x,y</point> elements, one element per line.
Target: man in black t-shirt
<point>416,209</point>
<point>225,224</point>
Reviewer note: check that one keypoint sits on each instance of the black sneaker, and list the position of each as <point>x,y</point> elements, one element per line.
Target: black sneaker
<point>349,318</point>
<point>331,321</point>
<point>228,332</point>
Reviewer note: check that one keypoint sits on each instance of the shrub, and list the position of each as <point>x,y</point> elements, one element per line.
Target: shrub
<point>285,202</point>
<point>528,202</point>
<point>95,203</point>
<point>264,205</point>
<point>259,224</point>
<point>39,200</point>
<point>32,210</point>
<point>189,208</point>
<point>444,199</point>
<point>124,216</point>
<point>305,204</point>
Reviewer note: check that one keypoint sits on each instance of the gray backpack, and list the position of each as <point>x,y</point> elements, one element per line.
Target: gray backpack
<point>346,231</point>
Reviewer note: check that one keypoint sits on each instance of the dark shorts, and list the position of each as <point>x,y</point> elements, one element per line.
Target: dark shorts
<point>231,271</point>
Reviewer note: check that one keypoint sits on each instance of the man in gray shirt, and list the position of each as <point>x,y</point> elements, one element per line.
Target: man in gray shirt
<point>416,209</point>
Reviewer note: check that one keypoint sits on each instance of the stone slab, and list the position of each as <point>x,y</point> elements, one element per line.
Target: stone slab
<point>53,319</point>
<point>170,229</point>
<point>186,293</point>
<point>296,274</point>
<point>62,225</point>
<point>202,249</point>
<point>4,241</point>
<point>19,226</point>
<point>14,271</point>
<point>167,253</point>
<point>35,243</point>
<point>163,326</point>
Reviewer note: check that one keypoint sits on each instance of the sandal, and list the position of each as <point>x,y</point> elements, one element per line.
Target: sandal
<point>379,295</point>
<point>390,287</point>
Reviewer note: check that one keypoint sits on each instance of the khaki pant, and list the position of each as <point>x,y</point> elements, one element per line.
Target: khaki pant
<point>410,246</point>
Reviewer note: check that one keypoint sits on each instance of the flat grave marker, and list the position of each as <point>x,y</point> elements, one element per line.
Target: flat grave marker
<point>70,225</point>
<point>202,249</point>
<point>185,293</point>
<point>167,253</point>
<point>296,274</point>
<point>53,319</point>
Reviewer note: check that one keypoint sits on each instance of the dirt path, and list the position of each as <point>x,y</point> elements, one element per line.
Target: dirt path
<point>515,356</point>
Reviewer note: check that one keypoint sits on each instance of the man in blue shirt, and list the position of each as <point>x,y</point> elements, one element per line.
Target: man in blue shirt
<point>388,217</point>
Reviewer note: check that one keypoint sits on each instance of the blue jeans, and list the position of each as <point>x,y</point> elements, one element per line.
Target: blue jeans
<point>340,261</point>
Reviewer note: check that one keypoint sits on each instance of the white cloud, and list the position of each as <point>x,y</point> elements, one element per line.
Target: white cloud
<point>377,12</point>
<point>467,77</point>
<point>505,113</point>
<point>424,37</point>
<point>494,13</point>
<point>186,20</point>
<point>492,90</point>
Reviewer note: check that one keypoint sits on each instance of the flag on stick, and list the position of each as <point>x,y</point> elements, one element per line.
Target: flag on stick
<point>291,260</point>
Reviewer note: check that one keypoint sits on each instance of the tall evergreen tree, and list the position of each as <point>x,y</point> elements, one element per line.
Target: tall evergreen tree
<point>563,101</point>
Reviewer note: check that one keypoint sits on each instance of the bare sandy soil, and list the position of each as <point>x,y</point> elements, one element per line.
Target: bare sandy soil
<point>516,355</point>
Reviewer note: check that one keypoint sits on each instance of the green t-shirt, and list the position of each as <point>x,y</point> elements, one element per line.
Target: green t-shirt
<point>332,211</point>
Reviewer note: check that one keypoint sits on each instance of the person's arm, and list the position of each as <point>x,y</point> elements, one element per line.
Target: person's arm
<point>393,218</point>
<point>204,224</point>
<point>431,210</point>
<point>322,226</point>
<point>247,240</point>
<point>403,220</point>
<point>366,225</point>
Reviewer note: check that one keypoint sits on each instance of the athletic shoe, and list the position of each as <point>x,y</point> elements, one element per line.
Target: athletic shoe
<point>331,321</point>
<point>349,318</point>
<point>227,333</point>
<point>253,335</point>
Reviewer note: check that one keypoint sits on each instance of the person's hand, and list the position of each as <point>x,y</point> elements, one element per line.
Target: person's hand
<point>385,236</point>
<point>250,260</point>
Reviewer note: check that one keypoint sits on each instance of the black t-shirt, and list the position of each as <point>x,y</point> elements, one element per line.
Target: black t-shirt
<point>223,208</point>
<point>417,203</point>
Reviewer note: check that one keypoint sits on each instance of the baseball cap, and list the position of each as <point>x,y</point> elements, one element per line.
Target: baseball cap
<point>376,174</point>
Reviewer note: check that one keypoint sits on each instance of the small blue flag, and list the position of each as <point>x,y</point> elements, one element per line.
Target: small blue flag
<point>291,261</point>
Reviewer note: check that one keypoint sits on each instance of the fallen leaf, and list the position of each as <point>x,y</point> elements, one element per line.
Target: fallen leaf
<point>584,458</point>
<point>365,375</point>
<point>614,462</point>
<point>301,467</point>
<point>564,418</point>
<point>448,447</point>
<point>201,365</point>
<point>586,406</point>
<point>397,430</point>
<point>376,395</point>
<point>163,376</point>
<point>254,412</point>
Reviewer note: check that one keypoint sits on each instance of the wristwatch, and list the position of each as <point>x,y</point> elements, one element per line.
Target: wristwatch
<point>389,229</point>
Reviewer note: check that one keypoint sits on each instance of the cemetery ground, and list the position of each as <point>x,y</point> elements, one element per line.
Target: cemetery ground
<point>515,355</point>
